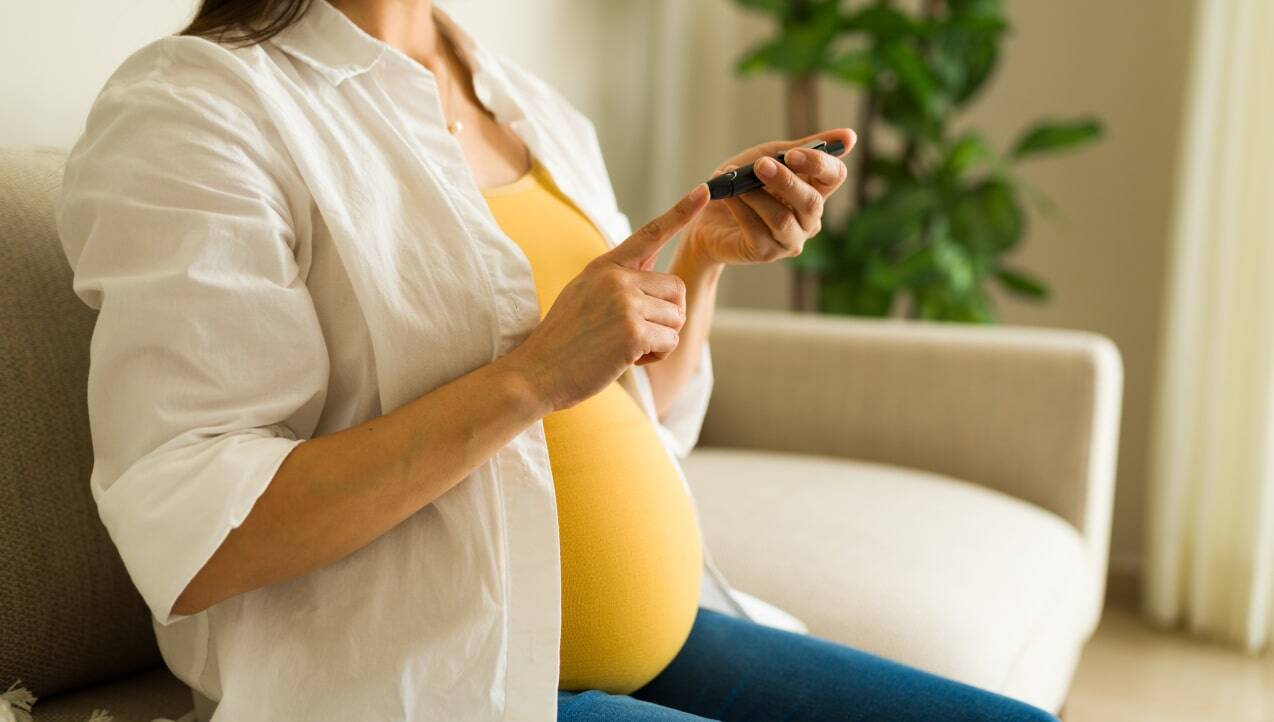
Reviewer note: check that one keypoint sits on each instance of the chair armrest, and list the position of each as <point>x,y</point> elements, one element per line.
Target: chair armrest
<point>1033,413</point>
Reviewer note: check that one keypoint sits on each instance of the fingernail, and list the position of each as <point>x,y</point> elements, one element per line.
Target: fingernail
<point>795,158</point>
<point>767,168</point>
<point>699,192</point>
<point>853,141</point>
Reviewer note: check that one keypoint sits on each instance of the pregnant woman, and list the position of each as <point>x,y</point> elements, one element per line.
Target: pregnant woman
<point>387,399</point>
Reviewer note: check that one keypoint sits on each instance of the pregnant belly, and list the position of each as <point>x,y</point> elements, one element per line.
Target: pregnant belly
<point>631,557</point>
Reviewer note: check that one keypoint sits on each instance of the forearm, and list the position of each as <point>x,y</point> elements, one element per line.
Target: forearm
<point>335,494</point>
<point>671,374</point>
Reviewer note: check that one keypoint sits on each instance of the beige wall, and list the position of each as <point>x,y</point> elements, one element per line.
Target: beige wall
<point>56,54</point>
<point>1124,61</point>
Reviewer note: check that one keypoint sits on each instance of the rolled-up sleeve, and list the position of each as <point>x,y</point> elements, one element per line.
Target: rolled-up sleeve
<point>207,364</point>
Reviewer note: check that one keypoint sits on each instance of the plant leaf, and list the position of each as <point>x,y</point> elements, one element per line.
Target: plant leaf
<point>914,76</point>
<point>783,54</point>
<point>981,60</point>
<point>844,294</point>
<point>955,265</point>
<point>891,170</point>
<point>927,303</point>
<point>896,217</point>
<point>774,7</point>
<point>803,42</point>
<point>897,108</point>
<point>1050,136</point>
<point>911,270</point>
<point>987,217</point>
<point>1022,283</point>
<point>984,13</point>
<point>963,58</point>
<point>966,153</point>
<point>882,22</point>
<point>818,255</point>
<point>972,308</point>
<point>856,67</point>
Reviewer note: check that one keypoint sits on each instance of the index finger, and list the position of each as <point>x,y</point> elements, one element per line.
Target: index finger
<point>639,249</point>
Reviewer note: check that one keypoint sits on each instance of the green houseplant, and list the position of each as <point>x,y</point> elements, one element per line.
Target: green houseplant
<point>936,210</point>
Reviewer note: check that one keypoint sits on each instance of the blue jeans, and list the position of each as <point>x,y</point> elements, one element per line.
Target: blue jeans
<point>733,670</point>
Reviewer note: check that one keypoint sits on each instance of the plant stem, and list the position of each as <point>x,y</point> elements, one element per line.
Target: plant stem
<point>802,105</point>
<point>863,148</point>
<point>802,120</point>
<point>931,10</point>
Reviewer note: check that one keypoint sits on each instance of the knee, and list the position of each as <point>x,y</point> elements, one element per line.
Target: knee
<point>998,708</point>
<point>1029,713</point>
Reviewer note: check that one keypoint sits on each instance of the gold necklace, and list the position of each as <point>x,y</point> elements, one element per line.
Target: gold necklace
<point>453,126</point>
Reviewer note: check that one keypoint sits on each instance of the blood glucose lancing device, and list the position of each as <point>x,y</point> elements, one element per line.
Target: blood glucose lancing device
<point>744,180</point>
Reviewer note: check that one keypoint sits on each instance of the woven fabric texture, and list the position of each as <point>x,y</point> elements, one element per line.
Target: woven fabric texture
<point>69,616</point>
<point>140,698</point>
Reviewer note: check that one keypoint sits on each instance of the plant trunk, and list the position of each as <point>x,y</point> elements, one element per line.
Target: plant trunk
<point>864,148</point>
<point>802,120</point>
<point>802,105</point>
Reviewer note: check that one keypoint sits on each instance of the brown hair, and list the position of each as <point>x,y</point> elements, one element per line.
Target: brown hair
<point>245,22</point>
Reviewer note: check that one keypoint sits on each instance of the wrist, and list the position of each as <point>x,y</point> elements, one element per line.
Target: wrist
<point>693,262</point>
<point>524,385</point>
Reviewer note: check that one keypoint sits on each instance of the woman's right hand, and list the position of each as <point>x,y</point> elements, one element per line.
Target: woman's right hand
<point>615,313</point>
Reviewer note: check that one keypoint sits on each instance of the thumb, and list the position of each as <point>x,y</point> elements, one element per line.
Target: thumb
<point>639,249</point>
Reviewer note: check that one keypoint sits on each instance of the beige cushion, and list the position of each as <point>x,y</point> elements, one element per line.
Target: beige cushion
<point>69,616</point>
<point>1030,412</point>
<point>924,569</point>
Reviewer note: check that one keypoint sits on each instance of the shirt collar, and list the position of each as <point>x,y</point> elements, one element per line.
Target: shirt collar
<point>328,41</point>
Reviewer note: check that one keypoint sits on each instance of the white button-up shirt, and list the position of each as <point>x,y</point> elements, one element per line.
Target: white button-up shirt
<point>284,241</point>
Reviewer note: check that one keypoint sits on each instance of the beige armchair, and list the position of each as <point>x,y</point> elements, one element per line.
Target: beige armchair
<point>939,495</point>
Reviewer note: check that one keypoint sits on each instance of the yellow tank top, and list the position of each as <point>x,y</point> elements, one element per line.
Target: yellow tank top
<point>631,557</point>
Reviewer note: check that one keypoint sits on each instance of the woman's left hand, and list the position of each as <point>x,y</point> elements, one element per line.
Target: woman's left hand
<point>775,221</point>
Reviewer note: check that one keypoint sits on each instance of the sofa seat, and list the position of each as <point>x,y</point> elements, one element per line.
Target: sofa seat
<point>140,698</point>
<point>920,568</point>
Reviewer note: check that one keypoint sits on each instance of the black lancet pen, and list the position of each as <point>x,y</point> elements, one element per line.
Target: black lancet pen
<point>744,180</point>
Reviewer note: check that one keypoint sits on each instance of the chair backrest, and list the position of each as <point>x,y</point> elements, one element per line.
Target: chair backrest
<point>69,616</point>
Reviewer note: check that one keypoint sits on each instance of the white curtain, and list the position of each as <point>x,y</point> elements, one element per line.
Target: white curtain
<point>1211,543</point>
<point>673,104</point>
<point>674,108</point>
